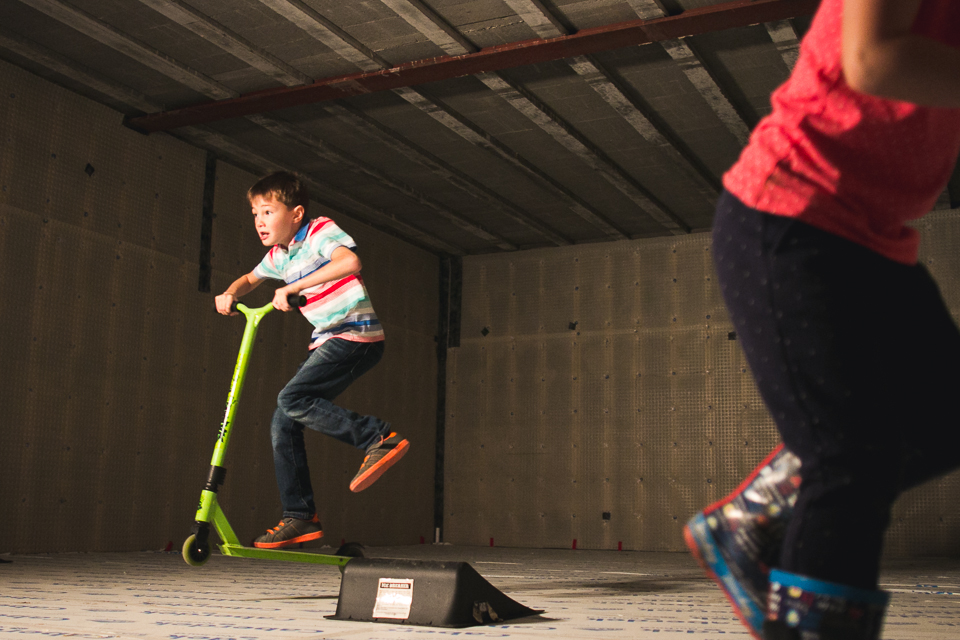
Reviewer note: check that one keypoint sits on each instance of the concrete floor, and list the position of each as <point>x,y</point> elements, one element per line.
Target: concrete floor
<point>584,595</point>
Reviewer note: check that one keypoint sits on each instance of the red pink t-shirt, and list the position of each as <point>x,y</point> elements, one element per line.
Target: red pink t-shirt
<point>854,165</point>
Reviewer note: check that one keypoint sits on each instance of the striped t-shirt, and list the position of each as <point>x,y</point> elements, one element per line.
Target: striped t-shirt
<point>337,309</point>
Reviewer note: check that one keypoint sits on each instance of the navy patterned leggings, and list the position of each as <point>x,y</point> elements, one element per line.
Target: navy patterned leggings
<point>858,361</point>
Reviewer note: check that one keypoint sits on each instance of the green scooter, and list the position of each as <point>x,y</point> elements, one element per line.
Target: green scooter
<point>196,548</point>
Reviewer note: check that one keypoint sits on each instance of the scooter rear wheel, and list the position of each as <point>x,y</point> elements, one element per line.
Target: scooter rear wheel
<point>349,550</point>
<point>194,555</point>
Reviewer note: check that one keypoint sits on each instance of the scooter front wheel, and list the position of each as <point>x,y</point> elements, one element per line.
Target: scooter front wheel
<point>193,554</point>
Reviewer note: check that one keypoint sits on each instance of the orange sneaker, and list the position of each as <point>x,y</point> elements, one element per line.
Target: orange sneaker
<point>381,455</point>
<point>290,531</point>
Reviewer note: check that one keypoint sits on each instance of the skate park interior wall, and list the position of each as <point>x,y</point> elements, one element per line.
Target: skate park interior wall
<point>115,367</point>
<point>599,398</point>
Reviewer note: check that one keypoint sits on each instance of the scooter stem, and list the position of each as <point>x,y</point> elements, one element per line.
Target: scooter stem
<point>207,509</point>
<point>254,316</point>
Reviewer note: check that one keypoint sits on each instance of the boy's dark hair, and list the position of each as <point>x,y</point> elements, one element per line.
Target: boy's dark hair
<point>284,187</point>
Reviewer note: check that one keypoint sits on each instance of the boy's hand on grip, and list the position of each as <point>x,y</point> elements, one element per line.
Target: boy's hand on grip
<point>225,302</point>
<point>281,297</point>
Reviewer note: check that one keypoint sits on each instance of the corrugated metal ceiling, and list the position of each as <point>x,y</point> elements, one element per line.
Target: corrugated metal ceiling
<point>621,142</point>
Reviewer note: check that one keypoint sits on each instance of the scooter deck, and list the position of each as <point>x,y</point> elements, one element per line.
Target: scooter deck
<point>230,545</point>
<point>281,554</point>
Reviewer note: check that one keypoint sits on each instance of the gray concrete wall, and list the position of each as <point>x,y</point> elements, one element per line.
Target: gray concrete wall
<point>114,368</point>
<point>596,397</point>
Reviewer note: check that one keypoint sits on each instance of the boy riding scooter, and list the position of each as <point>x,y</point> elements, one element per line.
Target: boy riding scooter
<point>315,259</point>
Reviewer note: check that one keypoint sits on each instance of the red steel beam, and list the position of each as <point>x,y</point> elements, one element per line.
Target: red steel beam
<point>727,15</point>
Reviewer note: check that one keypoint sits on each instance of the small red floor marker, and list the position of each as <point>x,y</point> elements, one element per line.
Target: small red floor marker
<point>491,542</point>
<point>620,546</point>
<point>574,543</point>
<point>421,539</point>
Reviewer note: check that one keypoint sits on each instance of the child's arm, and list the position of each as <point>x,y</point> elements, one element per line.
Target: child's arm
<point>343,263</point>
<point>882,58</point>
<point>240,287</point>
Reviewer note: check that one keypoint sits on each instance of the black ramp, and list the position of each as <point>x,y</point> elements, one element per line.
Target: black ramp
<point>422,592</point>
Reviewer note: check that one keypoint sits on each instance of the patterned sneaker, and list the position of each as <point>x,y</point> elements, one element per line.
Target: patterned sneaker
<point>737,539</point>
<point>804,608</point>
<point>290,531</point>
<point>381,455</point>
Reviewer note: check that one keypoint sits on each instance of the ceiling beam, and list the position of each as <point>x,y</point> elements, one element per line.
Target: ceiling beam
<point>480,138</point>
<point>332,154</point>
<point>328,33</point>
<point>116,92</point>
<point>727,15</point>
<point>129,46</point>
<point>692,66</point>
<point>785,37</point>
<point>538,18</point>
<point>436,29</point>
<point>607,87</point>
<point>574,142</point>
<point>367,126</point>
<point>241,48</point>
<point>545,24</point>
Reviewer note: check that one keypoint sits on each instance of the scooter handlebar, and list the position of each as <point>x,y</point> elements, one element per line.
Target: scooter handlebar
<point>293,299</point>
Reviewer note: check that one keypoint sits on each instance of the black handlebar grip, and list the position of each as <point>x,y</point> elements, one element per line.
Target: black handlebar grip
<point>233,305</point>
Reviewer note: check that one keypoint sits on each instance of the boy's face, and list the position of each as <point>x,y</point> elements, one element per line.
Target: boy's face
<point>274,221</point>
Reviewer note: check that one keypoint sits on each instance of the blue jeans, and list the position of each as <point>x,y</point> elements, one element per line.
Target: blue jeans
<point>306,401</point>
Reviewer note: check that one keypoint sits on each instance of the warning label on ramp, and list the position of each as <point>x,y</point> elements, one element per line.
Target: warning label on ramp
<point>394,597</point>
